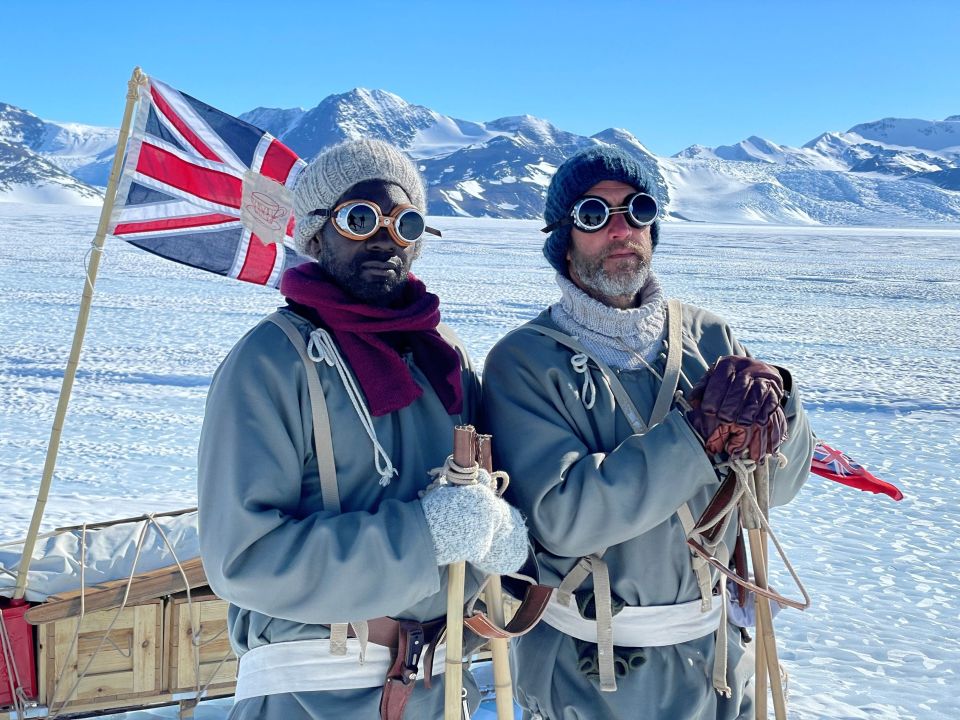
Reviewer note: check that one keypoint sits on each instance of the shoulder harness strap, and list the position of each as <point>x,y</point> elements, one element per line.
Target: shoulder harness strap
<point>323,440</point>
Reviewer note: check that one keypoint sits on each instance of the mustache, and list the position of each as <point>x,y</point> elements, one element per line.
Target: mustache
<point>634,247</point>
<point>388,257</point>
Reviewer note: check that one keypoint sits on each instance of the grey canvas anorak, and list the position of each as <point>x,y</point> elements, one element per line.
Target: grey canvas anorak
<point>287,565</point>
<point>587,484</point>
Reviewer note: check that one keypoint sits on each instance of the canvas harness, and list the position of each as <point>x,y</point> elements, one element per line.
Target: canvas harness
<point>640,621</point>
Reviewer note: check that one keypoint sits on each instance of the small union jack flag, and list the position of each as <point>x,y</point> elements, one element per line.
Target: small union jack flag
<point>206,189</point>
<point>837,466</point>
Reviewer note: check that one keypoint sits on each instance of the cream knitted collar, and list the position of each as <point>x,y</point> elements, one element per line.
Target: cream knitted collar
<point>619,337</point>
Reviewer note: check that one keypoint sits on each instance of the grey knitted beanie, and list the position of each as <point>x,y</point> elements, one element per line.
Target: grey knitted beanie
<point>337,169</point>
<point>573,178</point>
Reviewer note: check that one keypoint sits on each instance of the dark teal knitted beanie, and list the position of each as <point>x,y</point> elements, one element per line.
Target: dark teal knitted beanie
<point>573,178</point>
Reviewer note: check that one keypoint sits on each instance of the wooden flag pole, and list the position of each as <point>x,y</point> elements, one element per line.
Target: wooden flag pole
<point>136,79</point>
<point>464,454</point>
<point>493,594</point>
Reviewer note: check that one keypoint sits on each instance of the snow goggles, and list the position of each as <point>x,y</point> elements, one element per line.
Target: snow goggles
<point>360,219</point>
<point>591,214</point>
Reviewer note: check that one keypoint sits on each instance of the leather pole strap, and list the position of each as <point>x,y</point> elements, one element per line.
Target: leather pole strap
<point>534,602</point>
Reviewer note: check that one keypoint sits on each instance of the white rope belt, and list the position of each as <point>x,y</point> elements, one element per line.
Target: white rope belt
<point>308,666</point>
<point>656,626</point>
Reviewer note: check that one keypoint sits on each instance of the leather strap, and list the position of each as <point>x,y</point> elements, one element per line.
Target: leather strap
<point>322,437</point>
<point>534,602</point>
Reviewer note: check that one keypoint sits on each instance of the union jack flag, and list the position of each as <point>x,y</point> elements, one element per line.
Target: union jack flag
<point>839,467</point>
<point>206,189</point>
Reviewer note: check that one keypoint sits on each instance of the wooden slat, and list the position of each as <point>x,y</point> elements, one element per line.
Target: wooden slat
<point>122,583</point>
<point>157,583</point>
<point>145,648</point>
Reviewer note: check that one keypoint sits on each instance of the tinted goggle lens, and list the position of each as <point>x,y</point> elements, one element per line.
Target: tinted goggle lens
<point>411,225</point>
<point>358,219</point>
<point>642,209</point>
<point>591,213</point>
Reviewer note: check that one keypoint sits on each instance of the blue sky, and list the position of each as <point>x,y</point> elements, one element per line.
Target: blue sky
<point>673,73</point>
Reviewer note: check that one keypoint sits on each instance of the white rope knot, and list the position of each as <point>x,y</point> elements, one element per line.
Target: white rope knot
<point>322,348</point>
<point>588,393</point>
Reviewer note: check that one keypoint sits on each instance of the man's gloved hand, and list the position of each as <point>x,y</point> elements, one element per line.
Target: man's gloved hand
<point>462,520</point>
<point>510,545</point>
<point>736,408</point>
<point>470,523</point>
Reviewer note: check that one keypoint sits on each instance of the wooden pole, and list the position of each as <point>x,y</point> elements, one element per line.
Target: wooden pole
<point>464,454</point>
<point>499,647</point>
<point>760,664</point>
<point>766,640</point>
<point>136,79</point>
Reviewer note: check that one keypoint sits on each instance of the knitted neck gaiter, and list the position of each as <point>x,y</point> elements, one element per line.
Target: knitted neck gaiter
<point>618,337</point>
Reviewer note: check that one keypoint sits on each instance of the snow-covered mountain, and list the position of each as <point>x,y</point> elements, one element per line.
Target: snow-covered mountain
<point>892,171</point>
<point>45,161</point>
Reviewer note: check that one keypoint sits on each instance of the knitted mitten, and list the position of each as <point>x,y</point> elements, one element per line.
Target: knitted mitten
<point>510,546</point>
<point>462,520</point>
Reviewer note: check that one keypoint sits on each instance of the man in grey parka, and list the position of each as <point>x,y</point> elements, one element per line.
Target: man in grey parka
<point>321,428</point>
<point>610,469</point>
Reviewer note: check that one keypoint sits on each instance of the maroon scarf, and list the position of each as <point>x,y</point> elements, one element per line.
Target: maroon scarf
<point>371,338</point>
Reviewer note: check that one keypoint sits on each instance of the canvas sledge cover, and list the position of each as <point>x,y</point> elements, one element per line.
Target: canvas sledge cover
<point>111,554</point>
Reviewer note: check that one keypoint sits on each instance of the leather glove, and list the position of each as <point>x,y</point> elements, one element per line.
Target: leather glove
<point>753,441</point>
<point>462,520</point>
<point>736,408</point>
<point>510,545</point>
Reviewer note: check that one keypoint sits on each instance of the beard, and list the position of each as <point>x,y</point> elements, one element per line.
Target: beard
<point>380,290</point>
<point>626,279</point>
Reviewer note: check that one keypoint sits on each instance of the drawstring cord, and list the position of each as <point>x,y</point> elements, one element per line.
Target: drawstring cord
<point>322,348</point>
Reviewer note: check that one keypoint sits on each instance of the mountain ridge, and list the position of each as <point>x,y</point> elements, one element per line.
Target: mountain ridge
<point>889,171</point>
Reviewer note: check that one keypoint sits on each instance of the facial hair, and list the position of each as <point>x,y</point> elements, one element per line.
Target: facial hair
<point>627,280</point>
<point>380,291</point>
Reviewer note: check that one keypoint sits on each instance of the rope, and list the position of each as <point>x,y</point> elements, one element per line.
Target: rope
<point>86,262</point>
<point>17,693</point>
<point>322,348</point>
<point>580,364</point>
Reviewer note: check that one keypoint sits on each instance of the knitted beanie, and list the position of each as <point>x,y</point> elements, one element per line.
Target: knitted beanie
<point>573,178</point>
<point>337,169</point>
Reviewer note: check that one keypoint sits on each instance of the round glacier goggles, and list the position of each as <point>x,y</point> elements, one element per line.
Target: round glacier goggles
<point>591,213</point>
<point>360,219</point>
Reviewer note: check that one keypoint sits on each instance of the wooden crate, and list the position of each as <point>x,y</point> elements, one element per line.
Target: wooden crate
<point>211,647</point>
<point>92,670</point>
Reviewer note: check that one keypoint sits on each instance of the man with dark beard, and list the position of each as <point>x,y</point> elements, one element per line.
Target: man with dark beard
<point>321,429</point>
<point>614,411</point>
